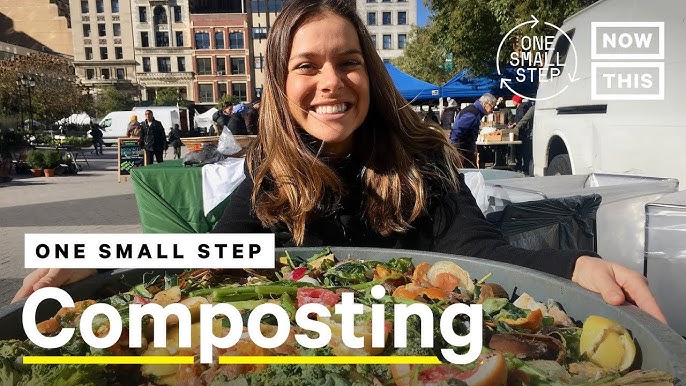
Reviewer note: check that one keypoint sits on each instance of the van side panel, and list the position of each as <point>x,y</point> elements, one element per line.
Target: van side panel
<point>631,136</point>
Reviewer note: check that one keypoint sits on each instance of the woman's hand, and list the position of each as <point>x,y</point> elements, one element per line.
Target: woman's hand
<point>53,277</point>
<point>616,284</point>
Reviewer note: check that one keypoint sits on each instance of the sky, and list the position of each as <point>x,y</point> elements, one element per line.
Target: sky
<point>422,13</point>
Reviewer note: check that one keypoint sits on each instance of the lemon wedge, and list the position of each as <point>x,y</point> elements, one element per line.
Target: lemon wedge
<point>607,343</point>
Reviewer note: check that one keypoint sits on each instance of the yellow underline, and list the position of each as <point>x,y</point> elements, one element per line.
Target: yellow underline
<point>109,360</point>
<point>328,360</point>
<point>231,360</point>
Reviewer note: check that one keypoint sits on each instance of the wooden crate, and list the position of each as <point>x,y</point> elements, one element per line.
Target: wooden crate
<point>195,143</point>
<point>493,137</point>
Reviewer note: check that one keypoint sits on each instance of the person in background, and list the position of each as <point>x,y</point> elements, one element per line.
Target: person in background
<point>448,114</point>
<point>153,140</point>
<point>523,125</point>
<point>133,129</point>
<point>96,134</point>
<point>175,140</point>
<point>467,125</point>
<point>221,118</point>
<point>237,123</point>
<point>430,116</point>
<point>342,160</point>
<point>251,117</point>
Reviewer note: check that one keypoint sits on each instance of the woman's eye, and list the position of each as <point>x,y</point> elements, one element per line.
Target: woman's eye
<point>351,63</point>
<point>305,67</point>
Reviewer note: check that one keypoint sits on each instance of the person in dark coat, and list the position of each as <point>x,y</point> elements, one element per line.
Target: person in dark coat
<point>448,115</point>
<point>344,161</point>
<point>524,128</point>
<point>237,123</point>
<point>222,117</point>
<point>153,140</point>
<point>251,117</point>
<point>96,134</point>
<point>467,125</point>
<point>175,140</point>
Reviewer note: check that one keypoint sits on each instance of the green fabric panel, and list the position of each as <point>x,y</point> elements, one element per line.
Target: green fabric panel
<point>169,198</point>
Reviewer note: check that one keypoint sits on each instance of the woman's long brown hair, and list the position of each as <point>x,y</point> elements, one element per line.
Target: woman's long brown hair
<point>399,151</point>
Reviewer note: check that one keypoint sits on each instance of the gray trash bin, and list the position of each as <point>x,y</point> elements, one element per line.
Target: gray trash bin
<point>621,215</point>
<point>665,255</point>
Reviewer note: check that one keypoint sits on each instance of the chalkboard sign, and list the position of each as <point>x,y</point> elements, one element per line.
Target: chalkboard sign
<point>129,156</point>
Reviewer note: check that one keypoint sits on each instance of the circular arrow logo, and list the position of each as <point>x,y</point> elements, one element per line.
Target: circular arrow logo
<point>536,61</point>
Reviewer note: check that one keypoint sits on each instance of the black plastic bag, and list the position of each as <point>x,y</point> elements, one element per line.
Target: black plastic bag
<point>567,223</point>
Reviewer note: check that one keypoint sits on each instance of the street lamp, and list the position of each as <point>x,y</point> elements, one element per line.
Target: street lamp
<point>29,83</point>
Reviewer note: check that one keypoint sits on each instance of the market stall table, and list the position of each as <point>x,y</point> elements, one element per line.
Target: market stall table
<point>170,199</point>
<point>504,151</point>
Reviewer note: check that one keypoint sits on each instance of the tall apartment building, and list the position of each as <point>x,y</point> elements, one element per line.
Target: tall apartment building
<point>102,36</point>
<point>389,24</point>
<point>221,51</point>
<point>263,13</point>
<point>162,47</point>
<point>40,25</point>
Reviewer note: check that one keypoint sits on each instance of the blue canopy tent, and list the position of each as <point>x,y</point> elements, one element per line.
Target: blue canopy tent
<point>412,88</point>
<point>466,86</point>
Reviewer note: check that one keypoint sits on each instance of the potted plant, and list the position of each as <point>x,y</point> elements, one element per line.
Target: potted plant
<point>36,160</point>
<point>53,158</point>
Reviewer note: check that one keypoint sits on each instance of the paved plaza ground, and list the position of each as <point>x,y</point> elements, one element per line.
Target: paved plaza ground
<point>90,202</point>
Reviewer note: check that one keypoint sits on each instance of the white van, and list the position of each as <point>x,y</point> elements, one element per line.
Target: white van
<point>114,125</point>
<point>575,134</point>
<point>167,115</point>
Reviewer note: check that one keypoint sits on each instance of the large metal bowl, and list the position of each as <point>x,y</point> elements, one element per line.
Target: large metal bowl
<point>661,348</point>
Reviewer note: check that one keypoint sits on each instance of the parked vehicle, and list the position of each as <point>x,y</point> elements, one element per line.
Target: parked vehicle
<point>575,134</point>
<point>114,124</point>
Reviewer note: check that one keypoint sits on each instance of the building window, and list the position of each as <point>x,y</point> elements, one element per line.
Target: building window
<point>105,73</point>
<point>385,1</point>
<point>84,6</point>
<point>402,40</point>
<point>99,6</point>
<point>236,40</point>
<point>402,1</point>
<point>386,42</point>
<point>115,6</point>
<point>177,13</point>
<point>202,41</point>
<point>90,73</point>
<point>402,18</point>
<point>120,73</point>
<point>181,63</point>
<point>259,33</point>
<point>179,39</point>
<point>116,29</point>
<point>386,18</point>
<point>222,90</point>
<point>103,53</point>
<point>144,40</point>
<point>373,40</point>
<point>221,66</point>
<point>240,91</point>
<point>219,40</point>
<point>237,66</point>
<point>205,93</point>
<point>371,1</point>
<point>101,30</point>
<point>89,53</point>
<point>86,30</point>
<point>371,18</point>
<point>142,14</point>
<point>118,53</point>
<point>204,66</point>
<point>164,64</point>
<point>259,62</point>
<point>146,64</point>
<point>160,15</point>
<point>161,39</point>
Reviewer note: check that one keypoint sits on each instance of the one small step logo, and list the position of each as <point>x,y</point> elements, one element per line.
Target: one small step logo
<point>627,60</point>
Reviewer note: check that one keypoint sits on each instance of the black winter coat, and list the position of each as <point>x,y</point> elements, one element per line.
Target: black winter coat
<point>454,224</point>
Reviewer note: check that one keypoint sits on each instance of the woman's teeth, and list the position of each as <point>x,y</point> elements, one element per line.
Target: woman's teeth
<point>335,109</point>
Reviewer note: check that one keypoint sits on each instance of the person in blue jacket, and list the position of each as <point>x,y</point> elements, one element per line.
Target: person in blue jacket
<point>466,127</point>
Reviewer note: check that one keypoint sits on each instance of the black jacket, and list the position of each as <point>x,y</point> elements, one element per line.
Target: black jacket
<point>152,136</point>
<point>454,224</point>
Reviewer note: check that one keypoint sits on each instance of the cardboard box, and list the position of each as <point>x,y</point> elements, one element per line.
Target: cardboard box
<point>492,137</point>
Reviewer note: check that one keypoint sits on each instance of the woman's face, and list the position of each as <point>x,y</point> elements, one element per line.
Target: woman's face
<point>327,84</point>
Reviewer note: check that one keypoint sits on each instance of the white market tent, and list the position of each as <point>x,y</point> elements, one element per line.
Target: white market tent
<point>205,119</point>
<point>76,119</point>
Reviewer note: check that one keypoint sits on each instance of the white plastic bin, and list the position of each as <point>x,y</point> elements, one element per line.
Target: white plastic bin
<point>620,219</point>
<point>665,255</point>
